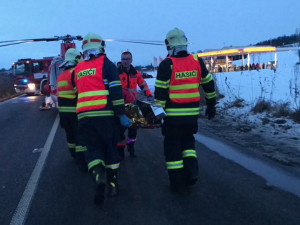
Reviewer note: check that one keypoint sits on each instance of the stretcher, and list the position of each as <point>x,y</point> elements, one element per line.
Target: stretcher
<point>145,114</point>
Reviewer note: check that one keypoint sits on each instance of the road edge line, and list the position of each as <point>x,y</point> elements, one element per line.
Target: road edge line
<point>23,207</point>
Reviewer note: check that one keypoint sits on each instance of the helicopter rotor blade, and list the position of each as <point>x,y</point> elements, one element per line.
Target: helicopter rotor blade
<point>66,38</point>
<point>22,40</point>
<point>69,38</point>
<point>31,40</point>
<point>16,43</point>
<point>137,41</point>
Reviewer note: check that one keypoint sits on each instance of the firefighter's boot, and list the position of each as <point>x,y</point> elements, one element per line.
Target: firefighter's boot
<point>121,150</point>
<point>81,162</point>
<point>112,182</point>
<point>131,150</point>
<point>97,173</point>
<point>177,185</point>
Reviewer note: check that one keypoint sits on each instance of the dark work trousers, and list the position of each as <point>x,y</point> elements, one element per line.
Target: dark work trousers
<point>180,154</point>
<point>100,136</point>
<point>132,133</point>
<point>68,121</point>
<point>131,136</point>
<point>130,141</point>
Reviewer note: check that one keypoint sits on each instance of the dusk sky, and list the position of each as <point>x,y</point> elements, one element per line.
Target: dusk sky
<point>207,24</point>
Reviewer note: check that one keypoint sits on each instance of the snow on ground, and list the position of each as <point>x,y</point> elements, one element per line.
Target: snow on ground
<point>280,86</point>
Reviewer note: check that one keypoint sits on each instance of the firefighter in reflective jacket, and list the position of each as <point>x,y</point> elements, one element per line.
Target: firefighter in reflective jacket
<point>177,90</point>
<point>100,107</point>
<point>130,79</point>
<point>67,98</point>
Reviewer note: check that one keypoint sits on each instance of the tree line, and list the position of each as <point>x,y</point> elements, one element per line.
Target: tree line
<point>282,40</point>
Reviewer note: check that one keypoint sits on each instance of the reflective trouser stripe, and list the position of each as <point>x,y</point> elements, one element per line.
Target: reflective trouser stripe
<point>118,102</point>
<point>189,153</point>
<point>210,95</point>
<point>80,148</point>
<point>95,163</point>
<point>174,165</point>
<point>67,109</point>
<point>71,145</point>
<point>113,166</point>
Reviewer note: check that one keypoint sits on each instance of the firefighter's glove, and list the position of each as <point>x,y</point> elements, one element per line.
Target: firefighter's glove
<point>211,108</point>
<point>150,98</point>
<point>125,121</point>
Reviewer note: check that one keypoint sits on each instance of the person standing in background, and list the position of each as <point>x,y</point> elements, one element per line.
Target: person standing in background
<point>130,79</point>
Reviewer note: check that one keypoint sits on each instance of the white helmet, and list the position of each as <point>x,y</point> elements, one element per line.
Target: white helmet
<point>72,57</point>
<point>92,42</point>
<point>175,37</point>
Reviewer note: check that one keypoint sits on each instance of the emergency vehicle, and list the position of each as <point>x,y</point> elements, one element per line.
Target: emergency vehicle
<point>31,75</point>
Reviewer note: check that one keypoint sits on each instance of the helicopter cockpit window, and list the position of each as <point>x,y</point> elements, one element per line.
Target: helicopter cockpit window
<point>37,67</point>
<point>23,68</point>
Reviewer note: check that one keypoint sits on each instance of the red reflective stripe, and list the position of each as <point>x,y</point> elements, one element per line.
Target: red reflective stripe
<point>91,40</point>
<point>96,40</point>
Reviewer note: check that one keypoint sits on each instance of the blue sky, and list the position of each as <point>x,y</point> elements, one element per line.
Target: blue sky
<point>207,24</point>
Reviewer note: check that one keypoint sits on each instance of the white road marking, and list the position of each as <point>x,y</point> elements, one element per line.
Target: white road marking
<point>20,214</point>
<point>273,175</point>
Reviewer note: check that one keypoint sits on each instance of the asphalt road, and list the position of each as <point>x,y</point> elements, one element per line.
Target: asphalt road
<point>225,194</point>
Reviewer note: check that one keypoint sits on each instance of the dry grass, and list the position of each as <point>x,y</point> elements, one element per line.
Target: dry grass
<point>296,116</point>
<point>277,110</point>
<point>238,103</point>
<point>281,110</point>
<point>6,85</point>
<point>262,106</point>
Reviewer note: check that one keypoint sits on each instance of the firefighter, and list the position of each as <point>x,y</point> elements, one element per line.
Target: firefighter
<point>67,99</point>
<point>100,107</point>
<point>177,90</point>
<point>130,79</point>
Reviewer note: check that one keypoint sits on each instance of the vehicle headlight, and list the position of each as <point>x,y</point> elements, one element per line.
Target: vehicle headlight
<point>31,86</point>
